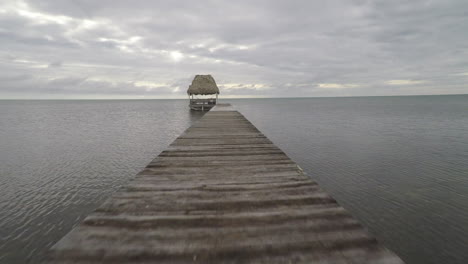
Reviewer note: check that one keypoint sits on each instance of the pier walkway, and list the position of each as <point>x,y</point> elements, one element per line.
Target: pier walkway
<point>221,193</point>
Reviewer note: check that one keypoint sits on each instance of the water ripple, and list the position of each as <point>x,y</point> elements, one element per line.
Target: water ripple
<point>61,159</point>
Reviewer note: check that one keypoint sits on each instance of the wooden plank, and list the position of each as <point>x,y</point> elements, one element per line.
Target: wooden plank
<point>221,193</point>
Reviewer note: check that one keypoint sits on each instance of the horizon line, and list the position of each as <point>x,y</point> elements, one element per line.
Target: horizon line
<point>220,98</point>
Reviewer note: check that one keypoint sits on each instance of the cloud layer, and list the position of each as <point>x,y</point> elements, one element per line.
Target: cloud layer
<point>152,49</point>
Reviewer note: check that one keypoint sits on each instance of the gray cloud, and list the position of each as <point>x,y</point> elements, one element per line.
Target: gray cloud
<point>106,49</point>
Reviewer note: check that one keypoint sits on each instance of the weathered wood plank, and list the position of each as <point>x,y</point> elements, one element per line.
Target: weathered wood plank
<point>221,193</point>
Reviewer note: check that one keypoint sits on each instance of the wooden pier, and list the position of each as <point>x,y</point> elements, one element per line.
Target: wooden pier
<point>221,193</point>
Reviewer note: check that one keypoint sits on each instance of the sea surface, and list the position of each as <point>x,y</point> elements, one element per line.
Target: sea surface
<point>398,164</point>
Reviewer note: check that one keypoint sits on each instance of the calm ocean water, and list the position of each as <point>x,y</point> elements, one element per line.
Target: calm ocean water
<point>398,164</point>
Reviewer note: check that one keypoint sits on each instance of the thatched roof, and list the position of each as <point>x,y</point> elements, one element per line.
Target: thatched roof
<point>203,84</point>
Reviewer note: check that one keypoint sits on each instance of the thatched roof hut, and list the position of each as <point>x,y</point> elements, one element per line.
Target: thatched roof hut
<point>203,84</point>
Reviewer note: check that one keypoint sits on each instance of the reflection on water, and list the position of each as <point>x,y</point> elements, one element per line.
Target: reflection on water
<point>61,159</point>
<point>397,163</point>
<point>195,115</point>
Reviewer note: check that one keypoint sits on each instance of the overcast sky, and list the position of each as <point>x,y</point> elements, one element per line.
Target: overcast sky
<point>152,49</point>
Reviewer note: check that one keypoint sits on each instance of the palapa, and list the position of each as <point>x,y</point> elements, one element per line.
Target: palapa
<point>202,85</point>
